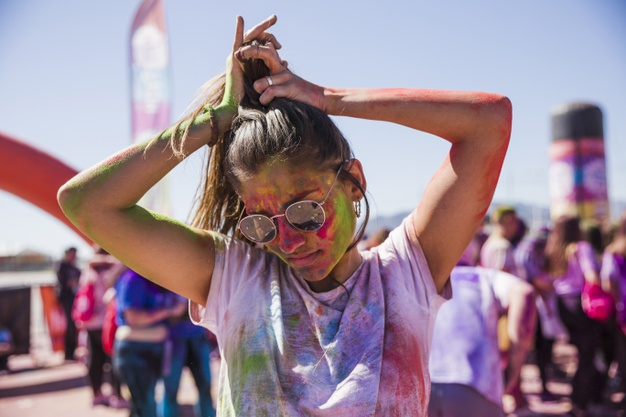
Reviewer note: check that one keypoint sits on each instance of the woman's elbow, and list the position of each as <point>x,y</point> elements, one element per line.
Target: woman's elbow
<point>70,200</point>
<point>501,111</point>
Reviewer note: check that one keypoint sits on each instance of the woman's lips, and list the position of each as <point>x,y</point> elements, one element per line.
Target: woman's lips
<point>301,261</point>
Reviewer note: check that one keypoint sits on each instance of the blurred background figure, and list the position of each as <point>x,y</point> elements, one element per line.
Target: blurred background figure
<point>188,345</point>
<point>571,263</point>
<point>465,367</point>
<point>376,239</point>
<point>530,263</point>
<point>89,310</point>
<point>497,251</point>
<point>594,234</point>
<point>143,309</point>
<point>613,276</point>
<point>68,275</point>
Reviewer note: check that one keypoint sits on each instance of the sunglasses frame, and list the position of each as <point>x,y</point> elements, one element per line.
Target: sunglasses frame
<point>284,214</point>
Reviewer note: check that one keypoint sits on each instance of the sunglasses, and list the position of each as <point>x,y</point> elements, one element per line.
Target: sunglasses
<point>305,215</point>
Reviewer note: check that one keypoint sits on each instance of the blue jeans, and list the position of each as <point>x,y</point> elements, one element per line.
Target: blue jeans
<point>193,352</point>
<point>453,400</point>
<point>139,365</point>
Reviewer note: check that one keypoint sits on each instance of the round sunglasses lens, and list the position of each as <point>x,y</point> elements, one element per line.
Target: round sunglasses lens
<point>258,228</point>
<point>305,215</point>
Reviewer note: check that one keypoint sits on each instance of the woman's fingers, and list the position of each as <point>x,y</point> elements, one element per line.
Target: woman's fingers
<point>288,85</point>
<point>267,37</point>
<point>259,32</point>
<point>265,52</point>
<point>234,75</point>
<point>282,84</point>
<point>278,79</point>
<point>239,36</point>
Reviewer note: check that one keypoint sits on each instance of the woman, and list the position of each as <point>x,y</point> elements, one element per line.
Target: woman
<point>305,322</point>
<point>570,262</point>
<point>613,276</point>
<point>101,273</point>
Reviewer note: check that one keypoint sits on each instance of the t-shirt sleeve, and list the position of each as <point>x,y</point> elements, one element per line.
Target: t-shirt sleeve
<point>404,245</point>
<point>586,258</point>
<point>609,271</point>
<point>236,264</point>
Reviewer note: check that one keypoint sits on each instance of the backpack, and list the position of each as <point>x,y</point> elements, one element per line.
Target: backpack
<point>597,303</point>
<point>109,327</point>
<point>84,303</point>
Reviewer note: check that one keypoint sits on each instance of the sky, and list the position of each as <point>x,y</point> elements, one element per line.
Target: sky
<point>64,83</point>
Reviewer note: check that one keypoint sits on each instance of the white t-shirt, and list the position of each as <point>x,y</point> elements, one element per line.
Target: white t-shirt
<point>287,351</point>
<point>465,341</point>
<point>497,253</point>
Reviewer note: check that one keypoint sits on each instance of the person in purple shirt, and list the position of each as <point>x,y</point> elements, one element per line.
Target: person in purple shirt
<point>571,262</point>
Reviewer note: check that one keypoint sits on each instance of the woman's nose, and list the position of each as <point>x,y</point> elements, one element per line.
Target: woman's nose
<point>289,238</point>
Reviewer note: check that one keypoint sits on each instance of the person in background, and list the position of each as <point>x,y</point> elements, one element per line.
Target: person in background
<point>530,263</point>
<point>465,368</point>
<point>570,262</point>
<point>187,345</point>
<point>101,273</point>
<point>68,276</point>
<point>613,277</point>
<point>374,240</point>
<point>593,233</point>
<point>497,251</point>
<point>143,309</point>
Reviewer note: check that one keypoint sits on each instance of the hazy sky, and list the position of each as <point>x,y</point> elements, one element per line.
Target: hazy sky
<point>64,82</point>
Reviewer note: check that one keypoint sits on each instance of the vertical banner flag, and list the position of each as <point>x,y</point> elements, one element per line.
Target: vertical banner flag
<point>150,87</point>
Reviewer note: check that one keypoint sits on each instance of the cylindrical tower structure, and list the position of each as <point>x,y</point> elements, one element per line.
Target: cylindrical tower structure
<point>577,175</point>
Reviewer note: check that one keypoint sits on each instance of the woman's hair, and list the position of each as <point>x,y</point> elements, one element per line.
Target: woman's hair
<point>284,130</point>
<point>566,230</point>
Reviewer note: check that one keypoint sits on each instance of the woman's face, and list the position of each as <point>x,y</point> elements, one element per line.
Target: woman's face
<point>313,254</point>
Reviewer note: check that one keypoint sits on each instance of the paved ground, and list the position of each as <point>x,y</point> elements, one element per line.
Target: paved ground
<point>42,385</point>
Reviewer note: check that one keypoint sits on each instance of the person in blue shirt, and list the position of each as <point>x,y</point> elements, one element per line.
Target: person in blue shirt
<point>143,309</point>
<point>188,345</point>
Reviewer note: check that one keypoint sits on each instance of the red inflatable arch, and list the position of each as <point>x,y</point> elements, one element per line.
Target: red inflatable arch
<point>34,176</point>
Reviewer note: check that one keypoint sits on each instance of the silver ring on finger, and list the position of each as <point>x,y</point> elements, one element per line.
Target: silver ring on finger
<point>269,80</point>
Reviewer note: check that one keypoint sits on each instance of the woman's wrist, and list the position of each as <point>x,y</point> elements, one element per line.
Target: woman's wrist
<point>224,114</point>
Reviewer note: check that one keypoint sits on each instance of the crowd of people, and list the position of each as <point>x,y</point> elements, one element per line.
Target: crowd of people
<point>135,333</point>
<point>577,273</point>
<point>310,319</point>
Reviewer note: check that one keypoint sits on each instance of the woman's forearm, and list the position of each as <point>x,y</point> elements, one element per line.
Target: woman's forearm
<point>139,318</point>
<point>118,182</point>
<point>452,115</point>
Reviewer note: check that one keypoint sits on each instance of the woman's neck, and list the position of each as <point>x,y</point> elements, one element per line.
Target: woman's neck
<point>344,269</point>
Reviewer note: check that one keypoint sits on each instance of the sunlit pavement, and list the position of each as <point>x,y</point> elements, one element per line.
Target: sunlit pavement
<point>49,386</point>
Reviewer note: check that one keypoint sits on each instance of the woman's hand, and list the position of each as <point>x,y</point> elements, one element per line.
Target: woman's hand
<point>281,82</point>
<point>234,89</point>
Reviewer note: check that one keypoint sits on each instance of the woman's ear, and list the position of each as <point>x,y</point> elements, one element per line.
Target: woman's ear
<point>355,169</point>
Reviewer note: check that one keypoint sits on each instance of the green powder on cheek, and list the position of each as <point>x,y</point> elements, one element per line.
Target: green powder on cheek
<point>343,226</point>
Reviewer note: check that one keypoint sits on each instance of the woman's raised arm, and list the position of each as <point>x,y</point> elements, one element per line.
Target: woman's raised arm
<point>102,200</point>
<point>478,126</point>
